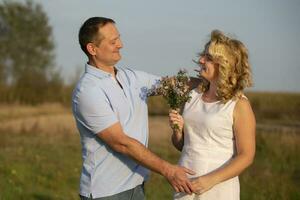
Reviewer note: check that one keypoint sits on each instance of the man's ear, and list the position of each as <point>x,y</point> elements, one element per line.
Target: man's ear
<point>90,47</point>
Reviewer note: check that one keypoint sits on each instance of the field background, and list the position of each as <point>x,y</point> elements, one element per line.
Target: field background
<point>40,154</point>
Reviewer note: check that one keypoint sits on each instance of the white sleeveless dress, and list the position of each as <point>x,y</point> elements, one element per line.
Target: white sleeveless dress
<point>209,144</point>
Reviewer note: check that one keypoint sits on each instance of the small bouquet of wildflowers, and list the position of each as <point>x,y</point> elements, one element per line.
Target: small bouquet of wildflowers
<point>175,90</point>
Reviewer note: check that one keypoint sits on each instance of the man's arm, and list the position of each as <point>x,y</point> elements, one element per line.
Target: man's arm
<point>120,142</point>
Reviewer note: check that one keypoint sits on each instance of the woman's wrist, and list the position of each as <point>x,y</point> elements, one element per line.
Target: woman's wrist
<point>214,179</point>
<point>177,136</point>
<point>178,132</point>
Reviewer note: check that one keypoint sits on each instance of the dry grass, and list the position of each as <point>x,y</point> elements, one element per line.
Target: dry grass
<point>16,111</point>
<point>46,118</point>
<point>159,129</point>
<point>40,147</point>
<point>55,118</point>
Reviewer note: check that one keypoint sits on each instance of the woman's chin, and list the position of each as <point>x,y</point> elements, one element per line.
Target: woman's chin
<point>204,75</point>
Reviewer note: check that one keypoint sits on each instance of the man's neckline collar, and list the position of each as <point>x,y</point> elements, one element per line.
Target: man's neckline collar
<point>98,72</point>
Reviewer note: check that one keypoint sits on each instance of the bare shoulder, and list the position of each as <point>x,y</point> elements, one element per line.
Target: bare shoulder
<point>243,107</point>
<point>242,103</point>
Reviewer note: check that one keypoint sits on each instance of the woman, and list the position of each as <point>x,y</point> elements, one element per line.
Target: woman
<point>217,129</point>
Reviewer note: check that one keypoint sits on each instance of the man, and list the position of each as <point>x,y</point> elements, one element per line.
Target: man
<point>109,106</point>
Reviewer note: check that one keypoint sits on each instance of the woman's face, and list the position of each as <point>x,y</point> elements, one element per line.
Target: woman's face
<point>209,69</point>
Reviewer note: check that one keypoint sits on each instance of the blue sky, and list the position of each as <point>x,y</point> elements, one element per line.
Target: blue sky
<point>162,36</point>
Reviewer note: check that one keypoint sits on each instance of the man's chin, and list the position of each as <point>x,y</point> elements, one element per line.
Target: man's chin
<point>117,59</point>
<point>115,62</point>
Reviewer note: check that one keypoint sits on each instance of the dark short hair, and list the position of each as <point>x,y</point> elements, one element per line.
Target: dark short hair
<point>89,30</point>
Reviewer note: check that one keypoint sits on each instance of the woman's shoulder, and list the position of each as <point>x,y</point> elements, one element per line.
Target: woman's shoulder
<point>243,111</point>
<point>235,99</point>
<point>195,91</point>
<point>242,105</point>
<point>194,94</point>
<point>240,99</point>
<point>242,102</point>
<point>233,104</point>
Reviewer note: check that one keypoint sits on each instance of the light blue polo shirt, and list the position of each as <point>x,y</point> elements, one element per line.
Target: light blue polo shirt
<point>99,102</point>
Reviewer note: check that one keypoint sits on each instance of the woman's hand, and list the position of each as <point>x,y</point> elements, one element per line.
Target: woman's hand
<point>175,119</point>
<point>177,137</point>
<point>202,184</point>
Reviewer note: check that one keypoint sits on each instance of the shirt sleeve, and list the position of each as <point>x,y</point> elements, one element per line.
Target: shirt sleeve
<point>94,111</point>
<point>147,80</point>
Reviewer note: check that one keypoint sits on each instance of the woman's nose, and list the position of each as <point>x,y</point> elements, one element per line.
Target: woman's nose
<point>202,60</point>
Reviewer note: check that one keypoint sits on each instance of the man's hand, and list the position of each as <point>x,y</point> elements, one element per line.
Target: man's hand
<point>120,142</point>
<point>177,177</point>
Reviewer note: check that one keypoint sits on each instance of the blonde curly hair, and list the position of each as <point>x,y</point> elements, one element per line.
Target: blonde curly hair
<point>234,69</point>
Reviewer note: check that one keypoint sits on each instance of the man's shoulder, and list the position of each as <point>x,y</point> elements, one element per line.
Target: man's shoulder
<point>90,81</point>
<point>87,86</point>
<point>126,69</point>
<point>139,74</point>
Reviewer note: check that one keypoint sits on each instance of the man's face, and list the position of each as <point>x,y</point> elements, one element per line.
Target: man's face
<point>108,51</point>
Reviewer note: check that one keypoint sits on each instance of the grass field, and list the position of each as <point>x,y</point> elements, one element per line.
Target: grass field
<point>40,157</point>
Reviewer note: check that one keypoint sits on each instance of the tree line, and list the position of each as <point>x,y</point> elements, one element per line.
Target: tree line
<point>28,73</point>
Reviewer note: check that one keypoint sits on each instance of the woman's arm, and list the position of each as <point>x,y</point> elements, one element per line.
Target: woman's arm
<point>177,137</point>
<point>177,140</point>
<point>244,130</point>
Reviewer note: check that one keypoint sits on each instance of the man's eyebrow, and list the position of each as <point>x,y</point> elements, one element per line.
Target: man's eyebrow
<point>115,38</point>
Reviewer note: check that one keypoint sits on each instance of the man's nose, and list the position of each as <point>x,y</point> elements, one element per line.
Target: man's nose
<point>120,45</point>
